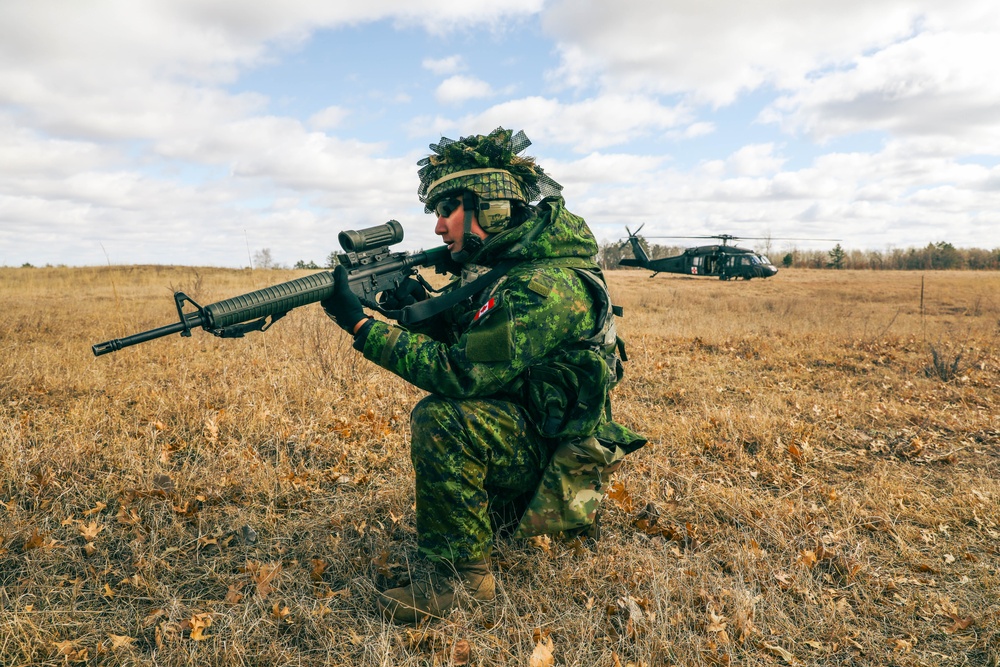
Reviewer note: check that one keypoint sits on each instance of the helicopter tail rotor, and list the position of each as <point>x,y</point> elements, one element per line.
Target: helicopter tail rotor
<point>632,235</point>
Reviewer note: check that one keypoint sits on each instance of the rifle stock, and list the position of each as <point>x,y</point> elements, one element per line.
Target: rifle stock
<point>371,269</point>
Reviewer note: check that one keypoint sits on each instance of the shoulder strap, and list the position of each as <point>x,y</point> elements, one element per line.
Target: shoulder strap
<point>606,331</point>
<point>422,310</point>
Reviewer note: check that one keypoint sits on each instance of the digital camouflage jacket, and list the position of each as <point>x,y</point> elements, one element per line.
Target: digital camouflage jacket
<point>525,339</point>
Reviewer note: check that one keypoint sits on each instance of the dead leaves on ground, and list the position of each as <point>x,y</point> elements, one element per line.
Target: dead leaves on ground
<point>618,494</point>
<point>780,652</point>
<point>74,651</point>
<point>448,648</point>
<point>90,531</point>
<point>167,632</point>
<point>71,651</point>
<point>648,520</point>
<point>630,618</point>
<point>196,626</point>
<point>543,653</point>
<point>317,568</point>
<point>119,642</point>
<point>443,646</point>
<point>38,540</point>
<point>263,576</point>
<point>827,558</point>
<point>959,622</point>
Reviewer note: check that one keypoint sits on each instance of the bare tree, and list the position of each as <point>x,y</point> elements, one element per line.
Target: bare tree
<point>262,259</point>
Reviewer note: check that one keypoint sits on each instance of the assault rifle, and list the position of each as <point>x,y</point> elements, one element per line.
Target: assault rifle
<point>371,269</point>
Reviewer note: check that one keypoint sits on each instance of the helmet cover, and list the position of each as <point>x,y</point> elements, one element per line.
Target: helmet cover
<point>488,166</point>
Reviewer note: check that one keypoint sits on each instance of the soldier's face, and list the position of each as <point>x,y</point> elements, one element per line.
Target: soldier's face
<point>451,223</point>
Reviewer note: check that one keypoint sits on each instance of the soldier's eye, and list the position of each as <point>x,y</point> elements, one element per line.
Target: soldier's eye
<point>446,207</point>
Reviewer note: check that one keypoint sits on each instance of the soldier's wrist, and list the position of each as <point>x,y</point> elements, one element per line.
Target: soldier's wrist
<point>361,332</point>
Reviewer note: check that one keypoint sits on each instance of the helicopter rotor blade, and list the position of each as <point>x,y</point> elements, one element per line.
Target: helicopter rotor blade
<point>729,237</point>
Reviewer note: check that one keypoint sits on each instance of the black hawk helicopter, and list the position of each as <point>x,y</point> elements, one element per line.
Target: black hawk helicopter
<point>728,262</point>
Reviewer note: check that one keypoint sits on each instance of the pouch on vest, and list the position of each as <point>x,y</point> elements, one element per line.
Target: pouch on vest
<point>571,489</point>
<point>565,397</point>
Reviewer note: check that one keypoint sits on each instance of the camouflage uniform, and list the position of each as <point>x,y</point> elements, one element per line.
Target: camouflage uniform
<point>484,437</point>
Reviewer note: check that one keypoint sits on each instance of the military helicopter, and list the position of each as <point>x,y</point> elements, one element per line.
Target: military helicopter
<point>728,262</point>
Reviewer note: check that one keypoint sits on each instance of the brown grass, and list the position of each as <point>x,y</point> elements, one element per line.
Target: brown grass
<point>821,486</point>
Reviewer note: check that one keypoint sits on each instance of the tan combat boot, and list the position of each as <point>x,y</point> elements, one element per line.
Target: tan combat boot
<point>433,595</point>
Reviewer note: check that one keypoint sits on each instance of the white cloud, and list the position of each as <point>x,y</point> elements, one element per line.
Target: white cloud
<point>203,40</point>
<point>459,89</point>
<point>933,85</point>
<point>328,118</point>
<point>712,52</point>
<point>285,154</point>
<point>870,201</point>
<point>443,66</point>
<point>698,129</point>
<point>602,169</point>
<point>918,73</point>
<point>586,125</point>
<point>117,128</point>
<point>110,68</point>
<point>25,155</point>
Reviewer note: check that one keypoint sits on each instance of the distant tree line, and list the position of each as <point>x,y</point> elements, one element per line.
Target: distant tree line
<point>940,256</point>
<point>935,256</point>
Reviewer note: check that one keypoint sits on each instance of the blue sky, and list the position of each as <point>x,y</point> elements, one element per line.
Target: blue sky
<point>199,131</point>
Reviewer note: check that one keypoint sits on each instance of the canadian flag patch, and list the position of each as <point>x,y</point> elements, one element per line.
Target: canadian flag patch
<point>486,308</point>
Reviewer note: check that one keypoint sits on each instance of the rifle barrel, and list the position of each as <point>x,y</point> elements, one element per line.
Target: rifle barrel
<point>115,344</point>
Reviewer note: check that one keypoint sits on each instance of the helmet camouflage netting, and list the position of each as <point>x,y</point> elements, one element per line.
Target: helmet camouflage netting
<point>487,165</point>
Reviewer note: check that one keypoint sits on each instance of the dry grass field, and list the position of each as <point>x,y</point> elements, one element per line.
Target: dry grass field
<point>821,487</point>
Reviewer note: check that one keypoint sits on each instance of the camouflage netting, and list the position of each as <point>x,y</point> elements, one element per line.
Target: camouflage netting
<point>487,165</point>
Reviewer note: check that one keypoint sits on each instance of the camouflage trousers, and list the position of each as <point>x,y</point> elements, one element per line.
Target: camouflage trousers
<point>472,458</point>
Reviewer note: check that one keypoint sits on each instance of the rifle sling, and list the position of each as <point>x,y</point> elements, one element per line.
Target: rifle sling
<point>422,310</point>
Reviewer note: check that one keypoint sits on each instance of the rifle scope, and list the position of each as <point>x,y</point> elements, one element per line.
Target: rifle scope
<point>378,236</point>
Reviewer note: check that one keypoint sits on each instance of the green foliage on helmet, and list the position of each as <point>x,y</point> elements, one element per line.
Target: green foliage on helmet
<point>488,166</point>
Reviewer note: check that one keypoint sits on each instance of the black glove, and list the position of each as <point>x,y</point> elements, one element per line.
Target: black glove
<point>408,293</point>
<point>343,307</point>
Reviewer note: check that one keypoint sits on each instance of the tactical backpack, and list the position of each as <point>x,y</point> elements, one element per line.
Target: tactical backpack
<point>567,398</point>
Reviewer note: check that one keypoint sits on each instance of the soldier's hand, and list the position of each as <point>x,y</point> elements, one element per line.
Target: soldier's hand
<point>409,292</point>
<point>343,307</point>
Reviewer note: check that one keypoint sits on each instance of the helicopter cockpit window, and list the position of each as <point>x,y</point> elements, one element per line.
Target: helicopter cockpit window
<point>764,259</point>
<point>746,261</point>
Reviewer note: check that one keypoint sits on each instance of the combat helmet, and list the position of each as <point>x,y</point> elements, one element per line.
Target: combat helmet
<point>489,175</point>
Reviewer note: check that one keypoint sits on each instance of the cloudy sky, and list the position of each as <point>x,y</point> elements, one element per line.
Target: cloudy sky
<point>198,132</point>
